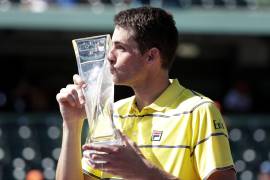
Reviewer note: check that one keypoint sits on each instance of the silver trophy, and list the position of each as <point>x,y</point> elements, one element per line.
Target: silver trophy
<point>93,66</point>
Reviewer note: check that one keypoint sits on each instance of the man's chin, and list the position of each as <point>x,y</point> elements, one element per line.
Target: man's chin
<point>117,82</point>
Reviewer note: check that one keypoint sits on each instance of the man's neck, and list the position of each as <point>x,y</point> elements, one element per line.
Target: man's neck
<point>148,92</point>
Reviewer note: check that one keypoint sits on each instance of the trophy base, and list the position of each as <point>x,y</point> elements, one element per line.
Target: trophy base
<point>117,142</point>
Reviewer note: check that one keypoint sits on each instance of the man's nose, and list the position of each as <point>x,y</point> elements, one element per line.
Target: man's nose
<point>111,56</point>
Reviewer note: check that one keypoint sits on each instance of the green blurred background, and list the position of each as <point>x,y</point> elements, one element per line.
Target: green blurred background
<point>223,52</point>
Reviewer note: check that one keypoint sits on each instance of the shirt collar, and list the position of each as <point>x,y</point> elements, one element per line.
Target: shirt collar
<point>165,99</point>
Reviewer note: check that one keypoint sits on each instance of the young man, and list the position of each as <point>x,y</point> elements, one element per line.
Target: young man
<point>168,131</point>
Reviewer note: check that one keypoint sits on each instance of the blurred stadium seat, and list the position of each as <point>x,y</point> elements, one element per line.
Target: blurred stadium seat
<point>250,143</point>
<point>30,142</point>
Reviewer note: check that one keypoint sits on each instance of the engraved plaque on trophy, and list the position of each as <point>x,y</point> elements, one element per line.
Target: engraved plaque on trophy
<point>93,66</point>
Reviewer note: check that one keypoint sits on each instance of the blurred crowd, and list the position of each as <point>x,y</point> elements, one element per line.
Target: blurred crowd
<point>41,5</point>
<point>28,96</point>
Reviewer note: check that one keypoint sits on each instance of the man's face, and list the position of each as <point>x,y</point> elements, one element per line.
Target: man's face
<point>128,65</point>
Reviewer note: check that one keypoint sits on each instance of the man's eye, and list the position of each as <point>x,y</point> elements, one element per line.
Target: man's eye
<point>121,48</point>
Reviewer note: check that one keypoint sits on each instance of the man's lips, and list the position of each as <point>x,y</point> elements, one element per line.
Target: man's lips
<point>112,70</point>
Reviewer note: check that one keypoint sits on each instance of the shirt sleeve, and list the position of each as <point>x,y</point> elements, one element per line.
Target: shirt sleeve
<point>210,145</point>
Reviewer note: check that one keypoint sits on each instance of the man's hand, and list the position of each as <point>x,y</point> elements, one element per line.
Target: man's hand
<point>71,101</point>
<point>125,161</point>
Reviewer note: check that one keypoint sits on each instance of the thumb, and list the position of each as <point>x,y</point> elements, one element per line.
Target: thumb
<point>123,137</point>
<point>128,142</point>
<point>125,140</point>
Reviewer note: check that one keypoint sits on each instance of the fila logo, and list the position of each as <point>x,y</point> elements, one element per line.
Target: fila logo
<point>156,135</point>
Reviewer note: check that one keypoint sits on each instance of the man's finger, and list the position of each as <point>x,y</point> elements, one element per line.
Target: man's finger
<point>101,148</point>
<point>78,80</point>
<point>65,97</point>
<point>99,165</point>
<point>100,157</point>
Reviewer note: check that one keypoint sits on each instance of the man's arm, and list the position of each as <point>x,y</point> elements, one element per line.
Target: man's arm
<point>223,175</point>
<point>69,163</point>
<point>71,103</point>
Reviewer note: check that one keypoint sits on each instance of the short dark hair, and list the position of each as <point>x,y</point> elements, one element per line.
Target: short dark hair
<point>153,27</point>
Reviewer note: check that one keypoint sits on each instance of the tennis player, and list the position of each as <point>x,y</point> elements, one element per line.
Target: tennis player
<point>168,131</point>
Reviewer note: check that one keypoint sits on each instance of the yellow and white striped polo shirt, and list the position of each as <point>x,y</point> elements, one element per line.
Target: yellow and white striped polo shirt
<point>182,132</point>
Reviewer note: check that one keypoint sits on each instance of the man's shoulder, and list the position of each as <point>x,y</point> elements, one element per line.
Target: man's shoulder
<point>193,100</point>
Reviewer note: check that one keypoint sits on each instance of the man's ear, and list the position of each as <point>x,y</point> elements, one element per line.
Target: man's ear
<point>153,54</point>
<point>149,58</point>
